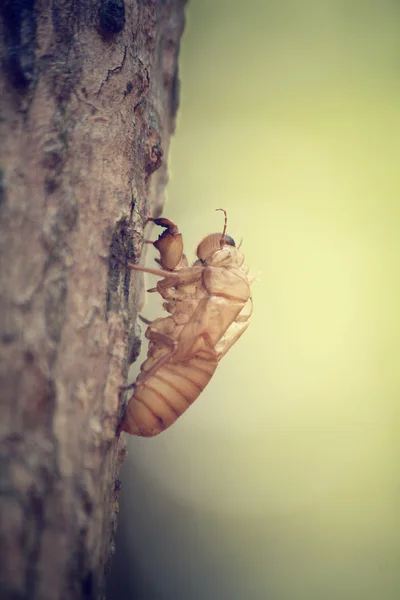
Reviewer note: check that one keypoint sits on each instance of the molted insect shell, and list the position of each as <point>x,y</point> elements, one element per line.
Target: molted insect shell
<point>211,243</point>
<point>209,306</point>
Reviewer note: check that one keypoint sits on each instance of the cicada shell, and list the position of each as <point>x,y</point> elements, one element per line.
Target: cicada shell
<point>209,305</point>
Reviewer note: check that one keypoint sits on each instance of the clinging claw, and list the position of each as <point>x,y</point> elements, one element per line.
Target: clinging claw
<point>169,244</point>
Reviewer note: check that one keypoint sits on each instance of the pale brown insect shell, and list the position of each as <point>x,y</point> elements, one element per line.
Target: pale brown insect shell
<point>209,305</point>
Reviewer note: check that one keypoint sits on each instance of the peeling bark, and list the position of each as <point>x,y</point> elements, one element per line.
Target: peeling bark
<point>88,97</point>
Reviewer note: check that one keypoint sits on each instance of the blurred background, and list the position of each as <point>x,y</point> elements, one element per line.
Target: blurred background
<point>282,481</point>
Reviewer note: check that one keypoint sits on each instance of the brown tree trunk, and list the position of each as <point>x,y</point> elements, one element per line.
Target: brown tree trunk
<point>89,92</point>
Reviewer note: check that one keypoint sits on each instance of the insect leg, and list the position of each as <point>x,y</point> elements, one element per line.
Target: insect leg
<point>159,272</point>
<point>144,320</point>
<point>169,243</point>
<point>159,363</point>
<point>166,223</point>
<point>161,338</point>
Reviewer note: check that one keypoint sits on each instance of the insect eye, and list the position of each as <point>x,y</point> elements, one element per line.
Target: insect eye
<point>230,241</point>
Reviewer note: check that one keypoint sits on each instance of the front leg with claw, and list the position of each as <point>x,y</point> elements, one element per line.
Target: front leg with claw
<point>169,244</point>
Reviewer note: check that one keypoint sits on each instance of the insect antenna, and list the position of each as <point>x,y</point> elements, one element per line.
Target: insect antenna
<point>222,240</point>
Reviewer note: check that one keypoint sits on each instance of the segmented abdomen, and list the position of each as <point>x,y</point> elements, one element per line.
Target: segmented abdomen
<point>161,397</point>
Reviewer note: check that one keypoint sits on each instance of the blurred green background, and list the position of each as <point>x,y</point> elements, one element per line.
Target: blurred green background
<point>282,481</point>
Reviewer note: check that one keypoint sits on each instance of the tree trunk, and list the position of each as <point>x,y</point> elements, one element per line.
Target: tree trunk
<point>89,92</point>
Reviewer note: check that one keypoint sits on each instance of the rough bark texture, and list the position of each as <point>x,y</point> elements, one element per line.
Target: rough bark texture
<point>88,96</point>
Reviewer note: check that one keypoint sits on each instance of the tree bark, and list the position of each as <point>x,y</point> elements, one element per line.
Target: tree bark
<point>89,93</point>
